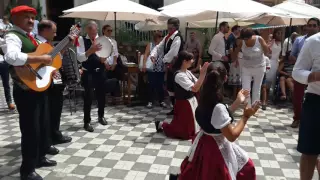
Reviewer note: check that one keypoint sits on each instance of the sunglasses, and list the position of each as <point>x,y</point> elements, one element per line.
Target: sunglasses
<point>312,25</point>
<point>109,30</point>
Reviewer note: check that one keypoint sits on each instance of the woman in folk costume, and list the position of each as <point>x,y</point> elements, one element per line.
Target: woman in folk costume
<point>183,125</point>
<point>214,155</point>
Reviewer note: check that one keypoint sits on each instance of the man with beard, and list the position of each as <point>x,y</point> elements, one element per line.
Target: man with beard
<point>312,28</point>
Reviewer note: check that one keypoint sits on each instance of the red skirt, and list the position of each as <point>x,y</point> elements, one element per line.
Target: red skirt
<point>183,124</point>
<point>209,164</point>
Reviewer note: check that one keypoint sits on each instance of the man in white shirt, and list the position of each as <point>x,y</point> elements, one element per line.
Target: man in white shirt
<point>47,31</point>
<point>112,60</point>
<point>171,45</point>
<point>217,47</point>
<point>4,73</point>
<point>93,76</point>
<point>307,71</point>
<point>287,44</point>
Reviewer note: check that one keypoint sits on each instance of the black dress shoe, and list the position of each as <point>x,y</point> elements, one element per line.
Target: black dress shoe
<point>45,162</point>
<point>170,113</point>
<point>62,140</point>
<point>88,127</point>
<point>157,126</point>
<point>102,121</point>
<point>173,177</point>
<point>53,151</point>
<point>31,176</point>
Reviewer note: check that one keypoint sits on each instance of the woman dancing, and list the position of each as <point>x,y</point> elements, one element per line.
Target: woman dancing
<point>213,155</point>
<point>183,125</point>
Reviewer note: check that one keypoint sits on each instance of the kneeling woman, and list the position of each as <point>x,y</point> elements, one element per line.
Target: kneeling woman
<point>213,155</point>
<point>183,125</point>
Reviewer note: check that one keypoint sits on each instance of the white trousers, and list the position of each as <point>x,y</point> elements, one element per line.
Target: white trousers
<point>255,74</point>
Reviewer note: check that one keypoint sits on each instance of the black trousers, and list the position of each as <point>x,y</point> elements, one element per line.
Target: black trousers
<point>93,82</point>
<point>4,73</point>
<point>55,97</point>
<point>33,119</point>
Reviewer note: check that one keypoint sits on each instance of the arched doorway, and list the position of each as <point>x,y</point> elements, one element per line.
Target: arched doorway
<point>54,10</point>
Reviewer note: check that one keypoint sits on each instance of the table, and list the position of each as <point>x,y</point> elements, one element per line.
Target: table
<point>132,69</point>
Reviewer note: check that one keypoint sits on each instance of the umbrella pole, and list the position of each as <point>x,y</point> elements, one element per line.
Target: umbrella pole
<point>289,34</point>
<point>115,26</point>
<point>186,35</point>
<point>217,17</point>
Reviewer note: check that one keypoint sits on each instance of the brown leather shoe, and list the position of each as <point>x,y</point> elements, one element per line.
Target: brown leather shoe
<point>11,106</point>
<point>295,124</point>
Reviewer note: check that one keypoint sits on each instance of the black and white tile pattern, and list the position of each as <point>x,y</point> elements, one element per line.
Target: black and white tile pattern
<point>128,148</point>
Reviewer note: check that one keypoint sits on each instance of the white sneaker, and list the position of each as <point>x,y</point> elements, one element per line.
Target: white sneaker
<point>149,105</point>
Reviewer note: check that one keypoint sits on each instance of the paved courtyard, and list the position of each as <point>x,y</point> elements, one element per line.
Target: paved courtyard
<point>128,148</point>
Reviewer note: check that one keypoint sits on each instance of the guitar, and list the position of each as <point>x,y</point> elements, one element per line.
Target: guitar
<point>38,76</point>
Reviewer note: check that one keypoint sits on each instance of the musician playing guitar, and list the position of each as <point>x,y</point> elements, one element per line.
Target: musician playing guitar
<point>31,105</point>
<point>46,32</point>
<point>94,74</point>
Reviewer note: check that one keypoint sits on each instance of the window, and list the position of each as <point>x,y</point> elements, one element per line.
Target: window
<point>154,4</point>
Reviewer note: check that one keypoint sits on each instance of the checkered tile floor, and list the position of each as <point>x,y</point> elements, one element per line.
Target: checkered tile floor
<point>128,148</point>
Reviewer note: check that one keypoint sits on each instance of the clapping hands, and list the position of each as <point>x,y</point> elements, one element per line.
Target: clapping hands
<point>250,111</point>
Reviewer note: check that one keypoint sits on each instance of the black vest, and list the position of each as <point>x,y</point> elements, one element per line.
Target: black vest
<point>168,43</point>
<point>180,93</point>
<point>93,61</point>
<point>203,118</point>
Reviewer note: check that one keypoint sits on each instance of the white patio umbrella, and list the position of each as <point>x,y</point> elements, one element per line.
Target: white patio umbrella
<point>110,10</point>
<point>199,10</point>
<point>104,10</point>
<point>162,25</point>
<point>298,14</point>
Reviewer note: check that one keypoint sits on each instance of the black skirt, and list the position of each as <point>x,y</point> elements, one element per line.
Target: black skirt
<point>309,134</point>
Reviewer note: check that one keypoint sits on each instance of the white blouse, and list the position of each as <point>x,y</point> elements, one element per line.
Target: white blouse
<point>184,79</point>
<point>220,116</point>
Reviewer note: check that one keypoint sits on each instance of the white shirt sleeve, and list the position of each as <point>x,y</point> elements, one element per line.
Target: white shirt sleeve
<point>174,50</point>
<point>213,46</point>
<point>285,47</point>
<point>302,67</point>
<point>115,48</point>
<point>12,50</point>
<point>184,81</point>
<point>220,116</point>
<point>81,51</point>
<point>157,49</point>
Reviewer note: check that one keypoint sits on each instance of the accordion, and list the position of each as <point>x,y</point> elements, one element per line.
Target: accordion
<point>69,71</point>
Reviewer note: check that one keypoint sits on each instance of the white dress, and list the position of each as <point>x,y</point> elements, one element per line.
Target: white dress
<point>274,62</point>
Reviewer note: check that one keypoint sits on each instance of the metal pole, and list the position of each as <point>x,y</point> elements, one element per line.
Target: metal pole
<point>115,26</point>
<point>186,35</point>
<point>217,17</point>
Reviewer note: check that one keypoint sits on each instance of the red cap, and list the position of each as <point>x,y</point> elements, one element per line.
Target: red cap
<point>19,9</point>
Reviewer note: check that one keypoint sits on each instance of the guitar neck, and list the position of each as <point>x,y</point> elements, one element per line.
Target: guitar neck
<point>58,48</point>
